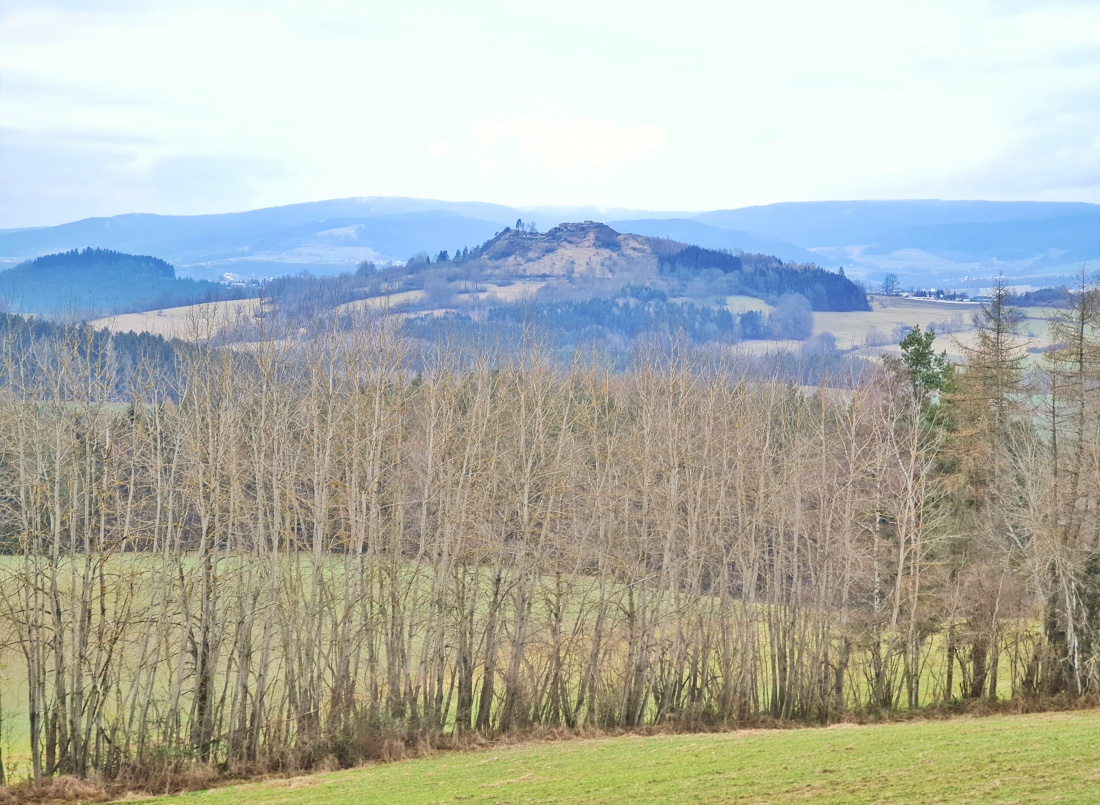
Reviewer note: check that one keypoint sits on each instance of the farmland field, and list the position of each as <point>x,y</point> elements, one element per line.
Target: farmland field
<point>182,322</point>
<point>873,332</point>
<point>853,329</point>
<point>1034,758</point>
<point>868,333</point>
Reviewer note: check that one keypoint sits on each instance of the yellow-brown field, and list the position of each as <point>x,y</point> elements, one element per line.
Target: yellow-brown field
<point>190,322</point>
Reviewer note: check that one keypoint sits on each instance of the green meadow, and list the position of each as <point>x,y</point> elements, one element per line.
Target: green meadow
<point>1053,757</point>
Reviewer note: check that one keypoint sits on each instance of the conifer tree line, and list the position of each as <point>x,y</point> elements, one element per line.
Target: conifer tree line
<point>326,546</point>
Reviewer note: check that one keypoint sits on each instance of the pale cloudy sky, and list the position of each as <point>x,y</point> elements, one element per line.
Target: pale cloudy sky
<point>126,106</point>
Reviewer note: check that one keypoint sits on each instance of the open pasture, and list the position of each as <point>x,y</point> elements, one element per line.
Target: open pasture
<point>1034,758</point>
<point>397,302</point>
<point>188,322</point>
<point>739,303</point>
<point>383,302</point>
<point>514,292</point>
<point>857,328</point>
<point>875,331</point>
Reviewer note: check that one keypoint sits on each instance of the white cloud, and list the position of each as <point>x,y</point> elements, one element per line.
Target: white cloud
<point>574,143</point>
<point>690,105</point>
<point>445,150</point>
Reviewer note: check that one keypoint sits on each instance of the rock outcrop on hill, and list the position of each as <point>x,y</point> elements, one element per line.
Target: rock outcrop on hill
<point>584,249</point>
<point>574,252</point>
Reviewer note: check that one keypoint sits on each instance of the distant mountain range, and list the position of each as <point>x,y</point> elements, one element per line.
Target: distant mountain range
<point>937,243</point>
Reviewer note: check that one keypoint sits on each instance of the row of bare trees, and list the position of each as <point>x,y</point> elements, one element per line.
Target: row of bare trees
<point>304,549</point>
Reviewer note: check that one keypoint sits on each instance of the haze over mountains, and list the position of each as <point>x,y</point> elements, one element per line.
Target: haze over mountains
<point>927,243</point>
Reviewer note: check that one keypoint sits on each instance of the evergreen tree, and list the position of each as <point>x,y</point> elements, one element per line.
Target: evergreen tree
<point>995,363</point>
<point>928,372</point>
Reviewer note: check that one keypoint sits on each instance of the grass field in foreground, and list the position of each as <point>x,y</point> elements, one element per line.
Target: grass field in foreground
<point>1035,758</point>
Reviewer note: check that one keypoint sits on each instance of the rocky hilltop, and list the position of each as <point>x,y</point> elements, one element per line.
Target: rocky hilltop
<point>584,249</point>
<point>571,254</point>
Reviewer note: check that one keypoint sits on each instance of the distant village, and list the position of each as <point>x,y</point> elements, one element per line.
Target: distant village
<point>939,295</point>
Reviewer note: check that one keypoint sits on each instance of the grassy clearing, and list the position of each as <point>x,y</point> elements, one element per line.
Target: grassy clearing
<point>384,302</point>
<point>484,292</point>
<point>183,322</point>
<point>1034,758</point>
<point>516,292</point>
<point>739,304</point>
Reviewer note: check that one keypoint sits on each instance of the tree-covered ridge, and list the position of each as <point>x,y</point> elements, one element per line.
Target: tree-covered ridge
<point>636,311</point>
<point>100,281</point>
<point>618,321</point>
<point>768,277</point>
<point>105,258</point>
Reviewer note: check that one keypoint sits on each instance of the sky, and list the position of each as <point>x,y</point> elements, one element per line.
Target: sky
<point>119,106</point>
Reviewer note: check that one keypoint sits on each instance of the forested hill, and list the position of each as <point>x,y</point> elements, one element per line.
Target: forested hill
<point>767,277</point>
<point>100,281</point>
<point>590,283</point>
<point>592,250</point>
